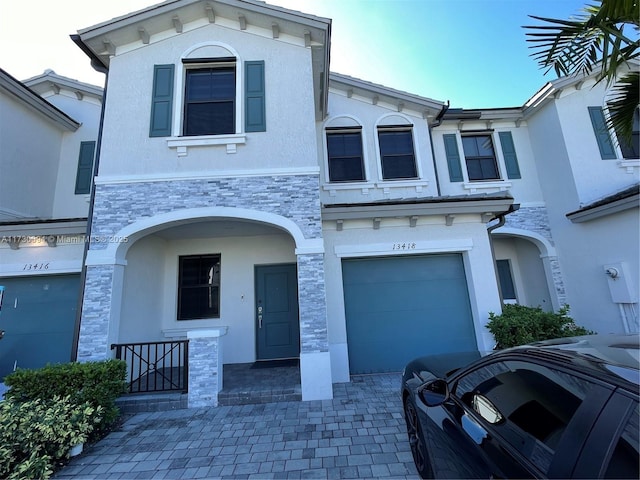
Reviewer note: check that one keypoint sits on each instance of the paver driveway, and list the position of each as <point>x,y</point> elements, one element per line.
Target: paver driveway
<point>359,434</point>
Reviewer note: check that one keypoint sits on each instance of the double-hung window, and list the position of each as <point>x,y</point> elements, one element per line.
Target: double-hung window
<point>480,157</point>
<point>397,155</point>
<point>344,152</point>
<point>199,287</point>
<point>210,98</point>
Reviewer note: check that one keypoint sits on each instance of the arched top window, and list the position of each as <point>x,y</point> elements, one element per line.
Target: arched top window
<point>344,150</point>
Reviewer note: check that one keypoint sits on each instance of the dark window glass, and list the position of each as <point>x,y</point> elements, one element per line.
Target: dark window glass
<point>537,403</point>
<point>396,154</point>
<point>210,96</point>
<point>480,157</point>
<point>199,287</point>
<point>506,280</point>
<point>631,148</point>
<point>624,460</point>
<point>345,156</point>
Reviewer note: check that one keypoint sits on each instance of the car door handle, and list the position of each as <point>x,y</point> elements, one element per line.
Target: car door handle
<point>473,429</point>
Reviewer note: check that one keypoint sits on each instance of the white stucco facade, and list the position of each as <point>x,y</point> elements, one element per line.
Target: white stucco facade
<point>547,222</point>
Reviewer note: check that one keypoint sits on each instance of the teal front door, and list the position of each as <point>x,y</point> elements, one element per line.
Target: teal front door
<point>277,323</point>
<point>38,317</point>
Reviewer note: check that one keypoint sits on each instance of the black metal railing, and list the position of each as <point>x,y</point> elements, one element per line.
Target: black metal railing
<point>155,366</point>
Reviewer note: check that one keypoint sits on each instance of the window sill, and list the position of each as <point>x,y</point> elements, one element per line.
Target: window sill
<point>181,144</point>
<point>473,187</point>
<point>387,185</point>
<point>332,188</point>
<point>629,164</point>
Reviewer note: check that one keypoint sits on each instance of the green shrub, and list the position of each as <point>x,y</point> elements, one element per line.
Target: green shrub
<point>36,434</point>
<point>98,383</point>
<point>518,325</point>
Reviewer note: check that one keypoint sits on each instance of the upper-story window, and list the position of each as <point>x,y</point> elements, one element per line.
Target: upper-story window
<point>210,99</point>
<point>344,152</point>
<point>631,147</point>
<point>397,155</point>
<point>480,157</point>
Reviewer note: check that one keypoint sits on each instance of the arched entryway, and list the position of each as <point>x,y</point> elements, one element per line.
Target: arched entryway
<point>527,269</point>
<point>141,284</point>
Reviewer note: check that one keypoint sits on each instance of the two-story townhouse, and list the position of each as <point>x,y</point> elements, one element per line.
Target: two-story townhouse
<point>589,179</point>
<point>48,132</point>
<point>574,240</point>
<point>408,262</point>
<point>208,190</point>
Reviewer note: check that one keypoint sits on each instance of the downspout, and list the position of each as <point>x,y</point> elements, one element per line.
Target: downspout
<point>97,65</point>
<point>436,123</point>
<point>514,207</point>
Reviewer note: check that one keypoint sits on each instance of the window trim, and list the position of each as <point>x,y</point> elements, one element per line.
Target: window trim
<point>179,91</point>
<point>190,65</point>
<point>496,158</point>
<point>344,130</point>
<point>397,128</point>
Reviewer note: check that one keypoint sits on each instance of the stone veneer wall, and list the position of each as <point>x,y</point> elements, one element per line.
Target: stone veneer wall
<point>295,197</point>
<point>535,219</point>
<point>312,304</point>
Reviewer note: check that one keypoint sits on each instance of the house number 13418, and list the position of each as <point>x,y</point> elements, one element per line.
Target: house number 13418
<point>404,246</point>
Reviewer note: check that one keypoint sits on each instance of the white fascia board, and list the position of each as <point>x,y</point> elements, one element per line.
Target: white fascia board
<point>50,77</point>
<point>44,229</point>
<point>36,102</point>
<point>605,210</point>
<point>171,7</point>
<point>345,82</point>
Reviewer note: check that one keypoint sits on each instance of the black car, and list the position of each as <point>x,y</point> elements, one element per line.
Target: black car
<point>565,408</point>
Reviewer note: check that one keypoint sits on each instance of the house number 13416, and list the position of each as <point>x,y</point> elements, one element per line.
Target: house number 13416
<point>404,246</point>
<point>36,266</point>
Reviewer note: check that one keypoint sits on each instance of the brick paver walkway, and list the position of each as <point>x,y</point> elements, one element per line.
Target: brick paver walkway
<point>359,434</point>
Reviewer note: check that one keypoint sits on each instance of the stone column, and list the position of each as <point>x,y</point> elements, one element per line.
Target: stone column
<point>315,359</point>
<point>205,366</point>
<point>93,341</point>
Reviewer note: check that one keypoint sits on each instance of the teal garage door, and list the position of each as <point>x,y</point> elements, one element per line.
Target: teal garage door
<point>38,316</point>
<point>399,308</point>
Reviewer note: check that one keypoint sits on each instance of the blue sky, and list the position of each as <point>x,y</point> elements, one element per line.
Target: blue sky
<point>472,53</point>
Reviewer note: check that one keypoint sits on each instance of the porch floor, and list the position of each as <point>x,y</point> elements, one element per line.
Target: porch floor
<point>243,384</point>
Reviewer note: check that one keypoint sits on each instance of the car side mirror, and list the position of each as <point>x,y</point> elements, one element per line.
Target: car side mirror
<point>434,392</point>
<point>486,409</point>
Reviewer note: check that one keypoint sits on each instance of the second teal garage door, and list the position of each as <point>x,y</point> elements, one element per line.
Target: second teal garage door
<point>399,308</point>
<point>38,316</point>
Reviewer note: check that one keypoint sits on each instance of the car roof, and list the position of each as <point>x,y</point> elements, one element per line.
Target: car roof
<point>613,357</point>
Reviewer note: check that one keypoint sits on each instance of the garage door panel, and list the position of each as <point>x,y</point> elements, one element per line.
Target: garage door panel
<point>398,308</point>
<point>38,315</point>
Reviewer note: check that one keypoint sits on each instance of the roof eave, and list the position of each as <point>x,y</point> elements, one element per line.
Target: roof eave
<point>438,206</point>
<point>36,102</point>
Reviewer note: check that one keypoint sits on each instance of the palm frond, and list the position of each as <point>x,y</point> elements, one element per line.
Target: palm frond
<point>594,37</point>
<point>623,104</point>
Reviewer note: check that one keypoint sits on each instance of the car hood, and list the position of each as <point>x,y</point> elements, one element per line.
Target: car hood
<point>439,366</point>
